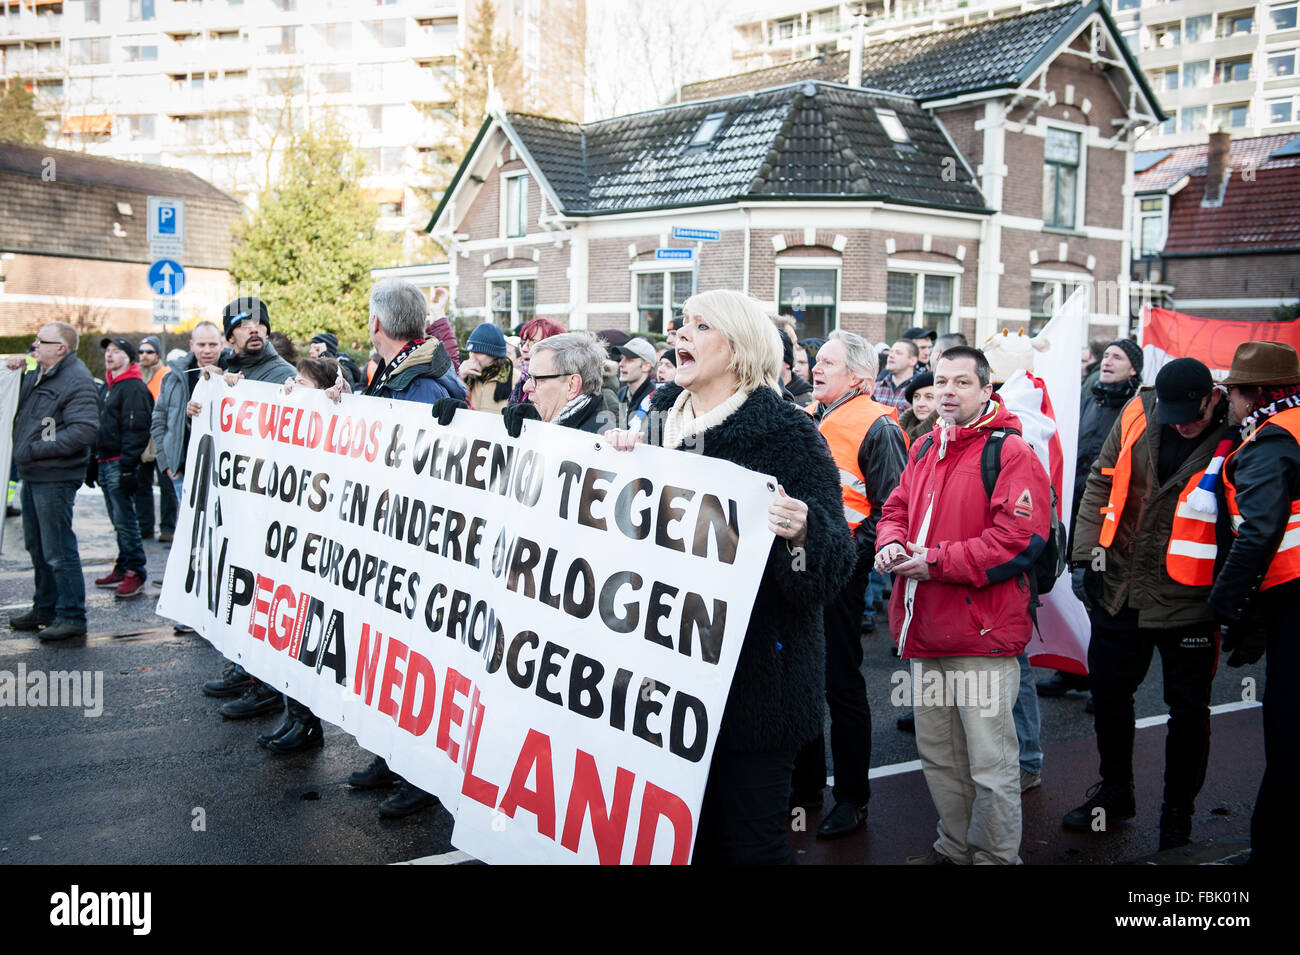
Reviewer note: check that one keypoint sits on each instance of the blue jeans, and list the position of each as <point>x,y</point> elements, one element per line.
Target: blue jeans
<point>47,533</point>
<point>1025,714</point>
<point>121,511</point>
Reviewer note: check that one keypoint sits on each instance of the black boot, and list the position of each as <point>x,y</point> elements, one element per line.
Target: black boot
<point>1117,802</point>
<point>63,630</point>
<point>258,698</point>
<point>305,733</point>
<point>1175,827</point>
<point>263,739</point>
<point>233,681</point>
<point>406,800</point>
<point>31,620</point>
<point>375,776</point>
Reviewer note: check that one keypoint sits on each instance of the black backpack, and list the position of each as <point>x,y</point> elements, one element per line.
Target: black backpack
<point>1050,563</point>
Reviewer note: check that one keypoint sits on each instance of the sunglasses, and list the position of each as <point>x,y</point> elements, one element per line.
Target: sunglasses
<point>147,351</point>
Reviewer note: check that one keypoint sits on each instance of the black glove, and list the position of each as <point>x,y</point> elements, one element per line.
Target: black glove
<point>92,471</point>
<point>445,408</point>
<point>1092,587</point>
<point>127,482</point>
<point>1244,641</point>
<point>515,416</point>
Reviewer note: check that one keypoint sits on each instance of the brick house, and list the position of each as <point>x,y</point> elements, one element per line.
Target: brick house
<point>963,179</point>
<point>1217,233</point>
<point>73,243</point>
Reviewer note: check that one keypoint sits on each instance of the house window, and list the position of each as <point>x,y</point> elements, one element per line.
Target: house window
<point>141,127</point>
<point>1196,29</point>
<point>336,82</point>
<point>1232,116</point>
<point>139,53</point>
<point>652,308</point>
<point>1191,119</point>
<point>1281,64</point>
<point>1283,16</point>
<point>893,126</point>
<point>388,33</point>
<point>140,10</point>
<point>810,295</point>
<point>1279,111</point>
<point>1232,71</point>
<point>1127,4</point>
<point>1196,73</point>
<point>1045,297</point>
<point>92,11</point>
<point>918,298</point>
<point>1061,155</point>
<point>1166,80</point>
<point>90,50</point>
<point>1152,219</point>
<point>1166,35</point>
<point>708,129</point>
<point>515,206</point>
<point>512,301</point>
<point>337,37</point>
<point>1234,24</point>
<point>1170,125</point>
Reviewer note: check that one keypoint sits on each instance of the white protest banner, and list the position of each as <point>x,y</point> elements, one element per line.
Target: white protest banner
<point>541,632</point>
<point>10,382</point>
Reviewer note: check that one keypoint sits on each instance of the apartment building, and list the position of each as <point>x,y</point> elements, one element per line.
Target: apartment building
<point>1216,64</point>
<point>217,87</point>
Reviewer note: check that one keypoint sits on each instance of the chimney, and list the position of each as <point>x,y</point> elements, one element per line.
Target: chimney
<point>855,52</point>
<point>1218,166</point>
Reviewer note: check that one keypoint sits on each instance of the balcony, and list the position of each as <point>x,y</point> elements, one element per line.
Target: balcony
<point>32,62</point>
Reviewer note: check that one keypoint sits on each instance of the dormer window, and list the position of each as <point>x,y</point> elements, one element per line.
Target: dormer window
<point>708,129</point>
<point>893,126</point>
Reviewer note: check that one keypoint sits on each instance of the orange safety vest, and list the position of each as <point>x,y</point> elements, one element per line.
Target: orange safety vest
<point>844,430</point>
<point>1285,564</point>
<point>155,383</point>
<point>1133,424</point>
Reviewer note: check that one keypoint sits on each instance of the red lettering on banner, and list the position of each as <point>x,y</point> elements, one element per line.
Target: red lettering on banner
<point>286,422</point>
<point>278,633</point>
<point>392,677</point>
<point>451,713</point>
<point>419,673</point>
<point>298,439</point>
<point>261,605</point>
<point>266,418</point>
<point>609,826</point>
<point>372,446</point>
<point>534,754</point>
<point>656,802</point>
<point>367,665</point>
<point>299,625</point>
<point>476,788</point>
<point>243,421</point>
<point>227,413</point>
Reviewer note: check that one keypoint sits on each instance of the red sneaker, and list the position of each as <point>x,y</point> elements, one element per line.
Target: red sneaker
<point>111,579</point>
<point>132,586</point>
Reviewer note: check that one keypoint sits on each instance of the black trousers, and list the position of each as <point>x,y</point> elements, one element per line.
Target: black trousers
<point>144,508</point>
<point>745,812</point>
<point>1273,836</point>
<point>1119,656</point>
<point>846,694</point>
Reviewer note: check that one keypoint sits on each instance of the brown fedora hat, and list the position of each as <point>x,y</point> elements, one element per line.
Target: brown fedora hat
<point>1264,363</point>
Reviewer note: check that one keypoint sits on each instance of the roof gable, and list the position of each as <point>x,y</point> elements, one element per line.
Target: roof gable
<point>1256,215</point>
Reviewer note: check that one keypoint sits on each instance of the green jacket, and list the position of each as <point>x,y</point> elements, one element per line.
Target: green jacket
<point>1133,568</point>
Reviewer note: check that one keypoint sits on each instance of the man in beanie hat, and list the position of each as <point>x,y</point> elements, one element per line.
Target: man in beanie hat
<point>123,436</point>
<point>326,345</point>
<point>1258,584</point>
<point>153,369</point>
<point>247,325</point>
<point>1146,551</point>
<point>1120,378</point>
<point>488,372</point>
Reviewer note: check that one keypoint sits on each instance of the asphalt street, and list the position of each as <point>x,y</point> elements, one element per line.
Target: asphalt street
<point>159,778</point>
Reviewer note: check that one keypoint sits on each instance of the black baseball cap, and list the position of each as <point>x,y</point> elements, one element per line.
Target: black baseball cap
<point>916,331</point>
<point>1181,386</point>
<point>122,343</point>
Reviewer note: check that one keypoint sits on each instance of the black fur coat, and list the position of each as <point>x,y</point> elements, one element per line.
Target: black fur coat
<point>777,695</point>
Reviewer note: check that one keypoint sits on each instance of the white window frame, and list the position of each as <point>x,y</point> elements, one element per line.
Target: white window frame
<point>666,268</point>
<point>513,276</point>
<point>1268,104</point>
<point>1281,6</point>
<point>921,269</point>
<point>1059,277</point>
<point>504,181</point>
<point>827,263</point>
<point>1140,216</point>
<point>1268,58</point>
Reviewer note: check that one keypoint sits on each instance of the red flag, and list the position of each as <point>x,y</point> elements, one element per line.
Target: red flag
<point>1167,335</point>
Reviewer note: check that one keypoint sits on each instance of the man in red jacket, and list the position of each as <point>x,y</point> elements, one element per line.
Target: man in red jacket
<point>960,608</point>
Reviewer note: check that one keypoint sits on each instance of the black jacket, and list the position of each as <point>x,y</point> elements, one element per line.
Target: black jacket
<point>124,422</point>
<point>1097,415</point>
<point>267,365</point>
<point>628,404</point>
<point>56,422</point>
<point>881,459</point>
<point>1266,475</point>
<point>593,418</point>
<point>778,693</point>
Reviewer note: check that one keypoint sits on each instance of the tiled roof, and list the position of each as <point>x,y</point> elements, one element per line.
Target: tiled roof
<point>1257,214</point>
<point>988,54</point>
<point>89,170</point>
<point>805,140</point>
<point>1185,160</point>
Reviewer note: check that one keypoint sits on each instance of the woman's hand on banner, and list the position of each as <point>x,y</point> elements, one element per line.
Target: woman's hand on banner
<point>622,440</point>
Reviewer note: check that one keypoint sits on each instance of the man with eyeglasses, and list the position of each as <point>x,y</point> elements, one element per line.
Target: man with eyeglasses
<point>54,429</point>
<point>563,386</point>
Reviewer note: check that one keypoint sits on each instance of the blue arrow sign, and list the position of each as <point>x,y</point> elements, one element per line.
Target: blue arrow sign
<point>679,254</point>
<point>697,235</point>
<point>166,277</point>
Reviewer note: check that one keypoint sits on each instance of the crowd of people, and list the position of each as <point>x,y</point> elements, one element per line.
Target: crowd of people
<point>912,472</point>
